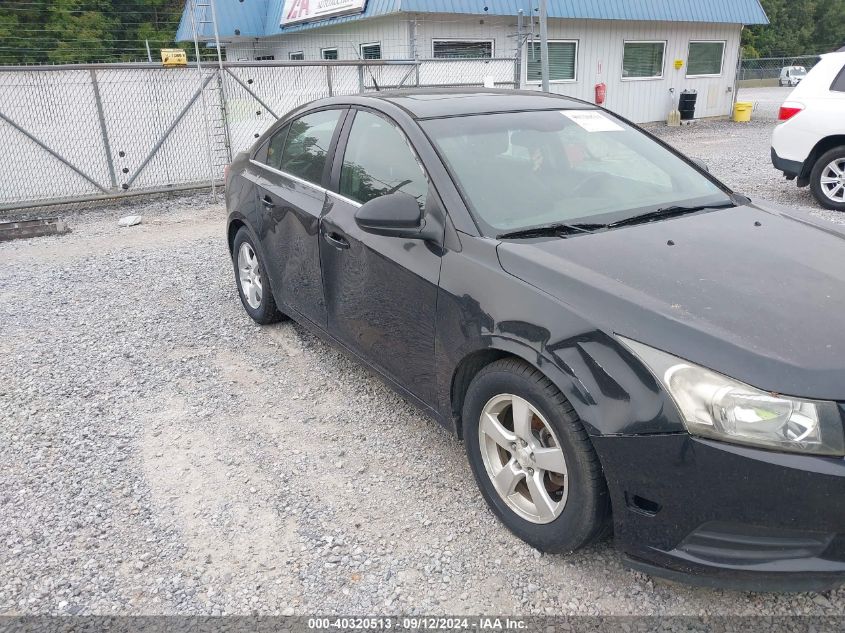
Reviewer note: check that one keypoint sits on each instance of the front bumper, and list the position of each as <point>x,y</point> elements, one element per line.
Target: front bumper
<point>717,514</point>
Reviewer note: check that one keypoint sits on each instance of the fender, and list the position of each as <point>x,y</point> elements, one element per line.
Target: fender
<point>480,318</point>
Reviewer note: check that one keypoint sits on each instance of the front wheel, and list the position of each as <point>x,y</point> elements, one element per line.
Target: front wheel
<point>253,283</point>
<point>532,458</point>
<point>827,180</point>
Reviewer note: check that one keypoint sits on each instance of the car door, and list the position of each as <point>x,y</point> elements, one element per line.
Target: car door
<point>292,197</point>
<point>380,291</point>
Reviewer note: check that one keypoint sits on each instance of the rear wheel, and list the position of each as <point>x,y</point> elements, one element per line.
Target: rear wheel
<point>532,458</point>
<point>253,283</point>
<point>827,180</point>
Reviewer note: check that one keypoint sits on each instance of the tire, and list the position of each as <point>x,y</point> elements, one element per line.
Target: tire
<point>257,300</point>
<point>585,512</point>
<point>822,170</point>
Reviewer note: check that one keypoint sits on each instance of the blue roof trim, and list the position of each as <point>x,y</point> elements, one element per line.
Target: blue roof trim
<point>246,16</point>
<point>262,18</point>
<point>724,11</point>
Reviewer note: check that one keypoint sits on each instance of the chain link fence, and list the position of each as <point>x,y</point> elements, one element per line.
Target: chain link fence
<point>768,68</point>
<point>83,133</point>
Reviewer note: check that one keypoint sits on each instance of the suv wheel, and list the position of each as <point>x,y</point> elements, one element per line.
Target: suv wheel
<point>253,283</point>
<point>827,180</point>
<point>532,458</point>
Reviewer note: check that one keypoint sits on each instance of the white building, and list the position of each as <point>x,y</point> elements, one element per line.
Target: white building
<point>644,51</point>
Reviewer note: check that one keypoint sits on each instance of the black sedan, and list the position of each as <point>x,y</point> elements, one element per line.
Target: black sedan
<point>622,342</point>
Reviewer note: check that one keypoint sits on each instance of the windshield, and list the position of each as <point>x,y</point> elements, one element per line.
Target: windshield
<point>523,169</point>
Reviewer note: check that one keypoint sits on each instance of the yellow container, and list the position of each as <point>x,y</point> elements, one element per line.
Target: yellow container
<point>742,111</point>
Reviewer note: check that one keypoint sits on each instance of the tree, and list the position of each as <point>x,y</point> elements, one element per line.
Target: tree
<point>797,27</point>
<point>830,25</point>
<point>70,31</point>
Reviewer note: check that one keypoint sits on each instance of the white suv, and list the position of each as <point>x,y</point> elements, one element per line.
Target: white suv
<point>809,143</point>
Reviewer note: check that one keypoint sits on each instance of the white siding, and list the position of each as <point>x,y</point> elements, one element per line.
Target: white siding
<point>600,45</point>
<point>431,27</point>
<point>392,32</point>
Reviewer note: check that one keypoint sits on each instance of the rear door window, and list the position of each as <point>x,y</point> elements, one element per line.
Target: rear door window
<point>276,146</point>
<point>307,143</point>
<point>838,84</point>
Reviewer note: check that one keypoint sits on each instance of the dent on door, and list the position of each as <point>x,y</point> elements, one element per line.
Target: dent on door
<point>381,295</point>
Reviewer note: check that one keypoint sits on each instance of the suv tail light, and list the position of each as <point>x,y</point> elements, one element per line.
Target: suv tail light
<point>789,110</point>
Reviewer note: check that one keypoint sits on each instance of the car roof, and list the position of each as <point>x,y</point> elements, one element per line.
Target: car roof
<point>422,103</point>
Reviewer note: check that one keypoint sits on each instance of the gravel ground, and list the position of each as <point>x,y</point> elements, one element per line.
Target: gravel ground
<point>739,153</point>
<point>161,454</point>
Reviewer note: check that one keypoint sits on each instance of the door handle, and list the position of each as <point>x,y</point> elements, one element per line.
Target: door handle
<point>268,203</point>
<point>336,240</point>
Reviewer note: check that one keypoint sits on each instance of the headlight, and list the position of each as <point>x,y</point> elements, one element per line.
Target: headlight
<point>715,406</point>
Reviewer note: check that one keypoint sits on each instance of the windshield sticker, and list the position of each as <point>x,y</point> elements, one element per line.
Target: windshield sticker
<point>592,121</point>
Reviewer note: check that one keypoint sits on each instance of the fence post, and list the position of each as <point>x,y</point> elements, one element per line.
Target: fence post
<point>329,80</point>
<point>103,130</point>
<point>360,79</point>
<point>736,80</point>
<point>227,139</point>
<point>517,60</point>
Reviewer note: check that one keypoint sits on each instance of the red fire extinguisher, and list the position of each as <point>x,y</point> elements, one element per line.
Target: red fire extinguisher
<point>601,93</point>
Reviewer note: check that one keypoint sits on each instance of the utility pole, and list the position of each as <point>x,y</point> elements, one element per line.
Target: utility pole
<point>544,44</point>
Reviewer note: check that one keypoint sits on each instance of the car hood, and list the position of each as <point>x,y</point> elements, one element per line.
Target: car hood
<point>756,292</point>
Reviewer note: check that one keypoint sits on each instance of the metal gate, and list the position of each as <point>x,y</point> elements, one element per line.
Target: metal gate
<point>87,132</point>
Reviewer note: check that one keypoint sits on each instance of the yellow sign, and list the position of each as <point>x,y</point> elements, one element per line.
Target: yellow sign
<point>171,57</point>
<point>678,64</point>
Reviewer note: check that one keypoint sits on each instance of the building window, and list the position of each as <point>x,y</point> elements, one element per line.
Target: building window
<point>371,51</point>
<point>462,49</point>
<point>298,56</point>
<point>563,56</point>
<point>643,60</point>
<point>328,53</point>
<point>264,58</point>
<point>705,59</point>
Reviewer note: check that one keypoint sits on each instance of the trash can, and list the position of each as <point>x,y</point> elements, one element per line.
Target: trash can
<point>686,104</point>
<point>742,111</point>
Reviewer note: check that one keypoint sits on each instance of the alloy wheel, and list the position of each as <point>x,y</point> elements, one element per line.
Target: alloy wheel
<point>833,180</point>
<point>249,273</point>
<point>523,458</point>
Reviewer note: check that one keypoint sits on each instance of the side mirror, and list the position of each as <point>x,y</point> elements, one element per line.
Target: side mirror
<point>701,164</point>
<point>394,215</point>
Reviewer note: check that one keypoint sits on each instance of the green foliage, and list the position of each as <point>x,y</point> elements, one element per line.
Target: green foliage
<point>75,31</point>
<point>57,31</point>
<point>797,27</point>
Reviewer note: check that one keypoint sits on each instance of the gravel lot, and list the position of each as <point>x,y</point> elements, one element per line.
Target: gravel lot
<point>161,454</point>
